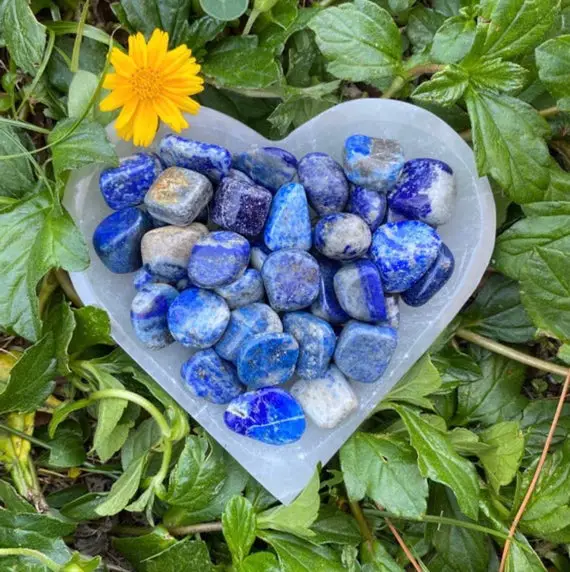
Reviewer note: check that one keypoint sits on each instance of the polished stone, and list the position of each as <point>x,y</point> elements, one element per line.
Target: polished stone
<point>369,205</point>
<point>259,254</point>
<point>247,289</point>
<point>392,302</point>
<point>235,174</point>
<point>143,277</point>
<point>342,236</point>
<point>326,305</point>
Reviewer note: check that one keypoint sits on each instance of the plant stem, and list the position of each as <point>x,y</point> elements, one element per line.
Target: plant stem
<point>399,82</point>
<point>65,284</point>
<point>424,69</point>
<point>361,521</point>
<point>48,562</point>
<point>250,21</point>
<point>24,125</point>
<point>25,436</point>
<point>195,528</point>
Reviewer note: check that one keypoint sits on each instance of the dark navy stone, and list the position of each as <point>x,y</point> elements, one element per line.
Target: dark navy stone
<point>218,259</point>
<point>259,254</point>
<point>289,223</point>
<point>149,315</point>
<point>291,279</point>
<point>268,415</point>
<point>247,289</point>
<point>342,236</point>
<point>326,306</point>
<point>198,318</point>
<point>126,185</point>
<point>359,291</point>
<point>368,205</point>
<point>117,239</point>
<point>210,160</point>
<point>267,359</point>
<point>403,251</point>
<point>143,277</point>
<point>363,351</point>
<point>316,340</point>
<point>373,163</point>
<point>433,280</point>
<point>210,377</point>
<point>324,182</point>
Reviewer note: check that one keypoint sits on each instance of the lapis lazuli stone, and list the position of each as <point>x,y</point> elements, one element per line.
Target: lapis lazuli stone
<point>403,251</point>
<point>143,277</point>
<point>198,318</point>
<point>269,167</point>
<point>241,206</point>
<point>240,175</point>
<point>289,223</point>
<point>210,160</point>
<point>363,351</point>
<point>218,259</point>
<point>247,289</point>
<point>425,191</point>
<point>259,254</point>
<point>324,182</point>
<point>117,239</point>
<point>182,284</point>
<point>393,216</point>
<point>149,315</point>
<point>368,205</point>
<point>126,185</point>
<point>326,305</point>
<point>359,291</point>
<point>244,323</point>
<point>373,163</point>
<point>342,236</point>
<point>316,340</point>
<point>208,376</point>
<point>392,304</point>
<point>267,359</point>
<point>433,280</point>
<point>269,415</point>
<point>291,279</point>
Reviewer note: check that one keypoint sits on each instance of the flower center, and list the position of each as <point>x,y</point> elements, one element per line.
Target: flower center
<point>146,83</point>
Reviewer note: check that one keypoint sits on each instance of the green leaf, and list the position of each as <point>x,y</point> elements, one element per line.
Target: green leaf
<point>446,87</point>
<point>553,62</point>
<point>66,447</point>
<point>80,564</point>
<point>239,524</point>
<point>375,558</point>
<point>60,321</point>
<point>360,40</point>
<point>455,367</point>
<point>140,548</point>
<point>260,562</point>
<point>201,31</point>
<point>385,469</point>
<point>449,7</point>
<point>423,23</point>
<point>334,526</point>
<point>12,501</point>
<point>536,420</point>
<point>84,508</point>
<point>92,327</point>
<point>17,175</point>
<point>186,554</point>
<point>497,75</point>
<point>140,442</point>
<point>224,10</point>
<point>298,110</point>
<point>453,40</point>
<point>83,86</point>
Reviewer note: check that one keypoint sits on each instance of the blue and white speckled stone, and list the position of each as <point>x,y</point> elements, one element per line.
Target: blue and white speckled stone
<point>149,315</point>
<point>210,377</point>
<point>143,277</point>
<point>265,360</point>
<point>289,223</point>
<point>363,351</point>
<point>241,176</point>
<point>359,291</point>
<point>198,318</point>
<point>210,160</point>
<point>369,205</point>
<point>259,254</point>
<point>268,415</point>
<point>403,251</point>
<point>247,289</point>
<point>316,340</point>
<point>425,191</point>
<point>433,280</point>
<point>324,182</point>
<point>218,259</point>
<point>291,279</point>
<point>244,323</point>
<point>327,400</point>
<point>126,185</point>
<point>342,236</point>
<point>393,216</point>
<point>166,250</point>
<point>373,163</point>
<point>117,239</point>
<point>178,196</point>
<point>392,304</point>
<point>269,167</point>
<point>326,305</point>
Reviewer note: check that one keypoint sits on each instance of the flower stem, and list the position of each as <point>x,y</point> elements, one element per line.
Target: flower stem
<point>400,81</point>
<point>361,521</point>
<point>65,284</point>
<point>250,21</point>
<point>196,528</point>
<point>25,436</point>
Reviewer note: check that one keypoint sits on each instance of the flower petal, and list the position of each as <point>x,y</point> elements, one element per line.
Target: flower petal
<point>170,114</point>
<point>114,81</point>
<point>126,132</point>
<point>175,59</point>
<point>185,103</point>
<point>137,49</point>
<point>117,98</point>
<point>127,113</point>
<point>157,48</point>
<point>145,124</point>
<point>124,65</point>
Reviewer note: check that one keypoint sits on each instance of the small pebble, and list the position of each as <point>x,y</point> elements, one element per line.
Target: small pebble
<point>392,304</point>
<point>198,318</point>
<point>218,259</point>
<point>342,236</point>
<point>326,306</point>
<point>258,257</point>
<point>143,277</point>
<point>178,196</point>
<point>247,289</point>
<point>326,400</point>
<point>269,415</point>
<point>316,340</point>
<point>210,377</point>
<point>369,205</point>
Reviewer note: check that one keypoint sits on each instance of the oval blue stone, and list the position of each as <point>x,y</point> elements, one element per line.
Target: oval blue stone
<point>326,306</point>
<point>342,236</point>
<point>247,289</point>
<point>368,205</point>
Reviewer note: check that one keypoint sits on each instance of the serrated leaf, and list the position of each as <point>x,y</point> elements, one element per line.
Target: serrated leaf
<point>60,321</point>
<point>260,562</point>
<point>17,175</point>
<point>455,367</point>
<point>445,87</point>
<point>239,523</point>
<point>536,420</point>
<point>186,554</point>
<point>140,442</point>
<point>553,62</point>
<point>298,110</point>
<point>139,548</point>
<point>334,526</point>
<point>201,31</point>
<point>423,23</point>
<point>453,40</point>
<point>93,327</point>
<point>497,75</point>
<point>375,558</point>
<point>66,446</point>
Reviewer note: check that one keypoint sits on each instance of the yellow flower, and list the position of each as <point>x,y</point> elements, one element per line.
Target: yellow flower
<point>149,83</point>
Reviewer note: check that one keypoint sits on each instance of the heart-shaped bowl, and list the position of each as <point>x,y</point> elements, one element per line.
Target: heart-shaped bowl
<point>284,471</point>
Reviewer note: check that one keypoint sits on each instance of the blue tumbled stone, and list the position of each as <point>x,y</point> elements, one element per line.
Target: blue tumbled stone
<point>210,160</point>
<point>244,323</point>
<point>373,163</point>
<point>326,305</point>
<point>433,280</point>
<point>143,277</point>
<point>359,291</point>
<point>392,310</point>
<point>268,415</point>
<point>259,254</point>
<point>363,351</point>
<point>316,340</point>
<point>289,223</point>
<point>403,251</point>
<point>117,239</point>
<point>198,318</point>
<point>324,182</point>
<point>247,289</point>
<point>393,216</point>
<point>342,236</point>
<point>368,205</point>
<point>235,174</point>
<point>126,185</point>
<point>218,259</point>
<point>210,377</point>
<point>291,279</point>
<point>149,315</point>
